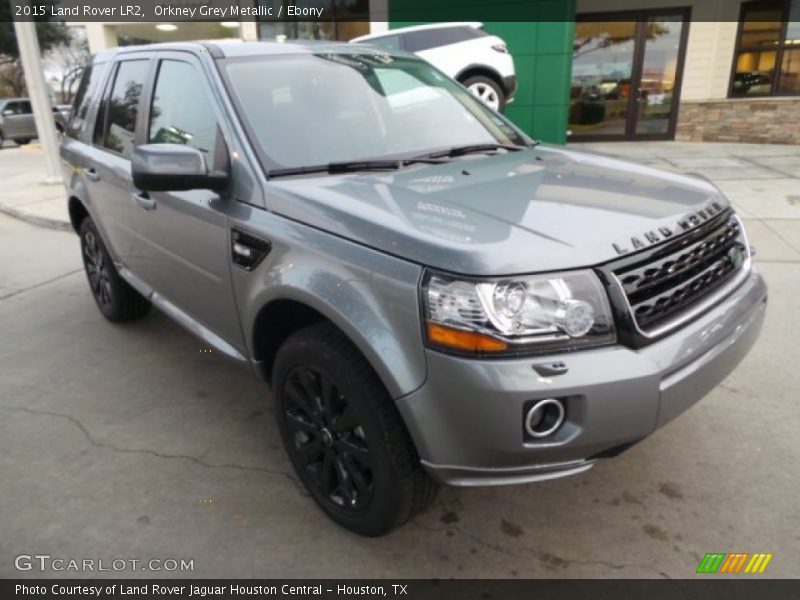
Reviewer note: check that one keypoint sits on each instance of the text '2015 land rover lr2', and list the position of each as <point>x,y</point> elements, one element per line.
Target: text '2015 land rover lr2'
<point>431,295</point>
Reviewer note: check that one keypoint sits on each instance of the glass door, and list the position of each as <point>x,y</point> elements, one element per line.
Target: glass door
<point>602,74</point>
<point>658,82</point>
<point>626,76</point>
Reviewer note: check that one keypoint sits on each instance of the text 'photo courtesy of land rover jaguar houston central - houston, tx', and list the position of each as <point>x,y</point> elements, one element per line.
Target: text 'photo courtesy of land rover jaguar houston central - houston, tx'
<point>430,295</point>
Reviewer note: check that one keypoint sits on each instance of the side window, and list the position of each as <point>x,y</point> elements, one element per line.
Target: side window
<point>12,108</point>
<point>87,91</point>
<point>25,108</point>
<point>387,42</point>
<point>425,39</point>
<point>123,107</point>
<point>181,112</point>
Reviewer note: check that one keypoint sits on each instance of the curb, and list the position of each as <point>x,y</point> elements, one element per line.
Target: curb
<point>54,224</point>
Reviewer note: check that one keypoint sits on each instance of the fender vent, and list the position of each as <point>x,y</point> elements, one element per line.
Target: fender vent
<point>247,251</point>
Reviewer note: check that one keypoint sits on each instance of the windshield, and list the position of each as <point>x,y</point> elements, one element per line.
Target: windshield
<point>313,109</point>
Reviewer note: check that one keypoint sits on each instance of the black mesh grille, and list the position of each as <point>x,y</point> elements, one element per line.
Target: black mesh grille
<point>675,280</point>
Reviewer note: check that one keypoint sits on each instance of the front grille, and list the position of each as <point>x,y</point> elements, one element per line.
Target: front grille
<point>671,282</point>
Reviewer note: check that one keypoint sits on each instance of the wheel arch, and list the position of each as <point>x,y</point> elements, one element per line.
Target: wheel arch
<point>290,310</point>
<point>77,212</point>
<point>475,70</point>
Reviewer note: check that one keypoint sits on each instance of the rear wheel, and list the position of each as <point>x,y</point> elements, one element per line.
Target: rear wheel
<point>343,434</point>
<point>487,91</point>
<point>22,141</point>
<point>115,298</point>
<point>2,140</point>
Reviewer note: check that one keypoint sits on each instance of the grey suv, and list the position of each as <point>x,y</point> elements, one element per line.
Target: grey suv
<point>431,295</point>
<point>17,122</point>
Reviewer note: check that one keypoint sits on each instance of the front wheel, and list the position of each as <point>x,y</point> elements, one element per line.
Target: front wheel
<point>22,141</point>
<point>487,91</point>
<point>343,434</point>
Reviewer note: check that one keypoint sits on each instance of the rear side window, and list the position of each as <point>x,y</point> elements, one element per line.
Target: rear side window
<point>387,42</point>
<point>122,107</point>
<point>417,41</point>
<point>181,112</point>
<point>87,91</point>
<point>18,107</point>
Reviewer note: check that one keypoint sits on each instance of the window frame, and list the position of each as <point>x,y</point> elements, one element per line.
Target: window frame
<point>778,48</point>
<point>187,59</point>
<point>102,113</point>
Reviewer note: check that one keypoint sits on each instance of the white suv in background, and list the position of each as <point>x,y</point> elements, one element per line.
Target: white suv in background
<point>463,51</point>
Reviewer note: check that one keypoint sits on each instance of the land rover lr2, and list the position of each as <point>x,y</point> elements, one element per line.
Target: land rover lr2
<point>431,295</point>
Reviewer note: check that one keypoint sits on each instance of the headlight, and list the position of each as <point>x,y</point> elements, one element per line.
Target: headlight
<point>519,315</point>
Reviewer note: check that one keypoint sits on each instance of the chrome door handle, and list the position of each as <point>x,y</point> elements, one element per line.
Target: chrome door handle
<point>91,174</point>
<point>144,200</point>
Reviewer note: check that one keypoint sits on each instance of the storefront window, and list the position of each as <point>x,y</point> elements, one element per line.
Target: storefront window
<point>768,50</point>
<point>349,19</point>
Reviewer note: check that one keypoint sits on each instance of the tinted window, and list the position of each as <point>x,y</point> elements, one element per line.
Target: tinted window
<point>416,41</point>
<point>388,42</point>
<point>123,106</point>
<point>180,112</point>
<point>88,89</point>
<point>19,107</point>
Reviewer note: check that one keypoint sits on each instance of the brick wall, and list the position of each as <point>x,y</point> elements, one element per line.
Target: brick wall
<point>758,121</point>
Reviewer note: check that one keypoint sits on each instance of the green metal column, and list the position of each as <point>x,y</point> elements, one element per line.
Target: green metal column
<point>539,37</point>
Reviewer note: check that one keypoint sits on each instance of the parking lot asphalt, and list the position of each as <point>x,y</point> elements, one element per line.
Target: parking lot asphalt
<point>130,442</point>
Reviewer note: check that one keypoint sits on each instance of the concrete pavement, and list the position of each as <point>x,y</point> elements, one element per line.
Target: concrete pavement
<point>23,193</point>
<point>128,441</point>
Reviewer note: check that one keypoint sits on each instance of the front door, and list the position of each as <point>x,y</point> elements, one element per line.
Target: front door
<point>183,247</point>
<point>626,75</point>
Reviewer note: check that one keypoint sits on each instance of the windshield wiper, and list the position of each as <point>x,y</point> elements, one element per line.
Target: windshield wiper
<point>352,166</point>
<point>472,149</point>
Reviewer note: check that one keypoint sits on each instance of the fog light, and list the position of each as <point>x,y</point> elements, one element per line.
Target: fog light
<point>544,418</point>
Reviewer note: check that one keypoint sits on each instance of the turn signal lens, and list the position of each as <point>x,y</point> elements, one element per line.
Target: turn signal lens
<point>463,340</point>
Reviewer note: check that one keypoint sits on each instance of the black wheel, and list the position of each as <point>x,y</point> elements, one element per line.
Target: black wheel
<point>115,298</point>
<point>487,91</point>
<point>343,434</point>
<point>2,140</point>
<point>22,141</point>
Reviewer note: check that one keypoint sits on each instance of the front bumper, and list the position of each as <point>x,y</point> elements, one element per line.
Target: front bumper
<point>467,419</point>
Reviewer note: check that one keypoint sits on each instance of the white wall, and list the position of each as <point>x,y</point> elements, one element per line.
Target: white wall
<point>709,53</point>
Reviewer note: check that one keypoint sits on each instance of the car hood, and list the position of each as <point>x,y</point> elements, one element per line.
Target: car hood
<point>542,209</point>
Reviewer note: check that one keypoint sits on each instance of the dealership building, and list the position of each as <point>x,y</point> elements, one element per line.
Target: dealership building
<point>604,70</point>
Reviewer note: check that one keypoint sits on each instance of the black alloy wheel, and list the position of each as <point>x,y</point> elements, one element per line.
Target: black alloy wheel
<point>327,438</point>
<point>344,435</point>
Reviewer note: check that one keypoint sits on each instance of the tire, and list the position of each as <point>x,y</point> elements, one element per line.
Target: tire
<point>115,298</point>
<point>343,434</point>
<point>2,140</point>
<point>22,141</point>
<point>487,90</point>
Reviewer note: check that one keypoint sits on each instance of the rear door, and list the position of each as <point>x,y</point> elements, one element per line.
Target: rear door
<point>183,245</point>
<point>108,161</point>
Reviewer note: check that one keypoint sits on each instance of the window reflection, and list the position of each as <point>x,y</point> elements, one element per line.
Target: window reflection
<point>766,57</point>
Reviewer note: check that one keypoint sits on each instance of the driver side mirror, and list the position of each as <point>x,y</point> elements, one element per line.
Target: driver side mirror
<point>8,112</point>
<point>172,168</point>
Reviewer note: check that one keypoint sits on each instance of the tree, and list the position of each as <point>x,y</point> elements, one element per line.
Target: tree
<point>50,34</point>
<point>65,64</point>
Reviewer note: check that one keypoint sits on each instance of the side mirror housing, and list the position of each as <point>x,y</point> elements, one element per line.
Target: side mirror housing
<point>8,112</point>
<point>172,168</point>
